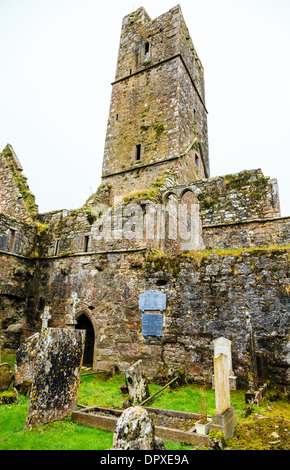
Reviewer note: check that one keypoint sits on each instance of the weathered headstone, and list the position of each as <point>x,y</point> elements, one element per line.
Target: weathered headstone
<point>225,418</point>
<point>9,397</point>
<point>6,377</point>
<point>55,386</point>
<point>222,389</point>
<point>135,431</point>
<point>223,345</point>
<point>136,381</point>
<point>25,360</point>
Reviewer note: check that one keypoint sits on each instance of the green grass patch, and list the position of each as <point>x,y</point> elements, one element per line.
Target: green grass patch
<point>254,432</point>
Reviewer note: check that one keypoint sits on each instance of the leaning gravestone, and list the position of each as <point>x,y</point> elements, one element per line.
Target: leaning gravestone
<point>55,386</point>
<point>225,419</point>
<point>136,381</point>
<point>135,431</point>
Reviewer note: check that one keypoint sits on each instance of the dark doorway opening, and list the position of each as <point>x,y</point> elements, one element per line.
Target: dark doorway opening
<point>84,323</point>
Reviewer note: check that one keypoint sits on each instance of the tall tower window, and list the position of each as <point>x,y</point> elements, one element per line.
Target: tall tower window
<point>86,243</point>
<point>56,247</point>
<point>147,47</point>
<point>197,161</point>
<point>12,239</point>
<point>138,152</point>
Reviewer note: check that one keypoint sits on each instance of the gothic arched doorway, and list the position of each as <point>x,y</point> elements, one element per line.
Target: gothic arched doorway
<point>84,323</point>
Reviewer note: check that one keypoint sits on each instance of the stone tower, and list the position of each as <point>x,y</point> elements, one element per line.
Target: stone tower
<point>157,123</point>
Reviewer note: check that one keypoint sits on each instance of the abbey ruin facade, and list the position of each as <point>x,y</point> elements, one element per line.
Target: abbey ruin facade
<point>216,247</point>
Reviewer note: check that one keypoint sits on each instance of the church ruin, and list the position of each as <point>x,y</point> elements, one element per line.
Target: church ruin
<point>216,248</point>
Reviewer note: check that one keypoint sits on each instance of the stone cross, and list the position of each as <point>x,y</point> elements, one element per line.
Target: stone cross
<point>222,388</point>
<point>45,317</point>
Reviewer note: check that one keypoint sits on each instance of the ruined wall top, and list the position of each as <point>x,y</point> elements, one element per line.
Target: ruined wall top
<point>16,199</point>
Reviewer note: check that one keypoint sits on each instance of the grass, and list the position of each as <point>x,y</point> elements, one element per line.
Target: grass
<point>254,432</point>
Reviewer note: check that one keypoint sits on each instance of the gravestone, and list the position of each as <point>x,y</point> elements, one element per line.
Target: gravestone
<point>55,386</point>
<point>137,387</point>
<point>222,389</point>
<point>25,360</point>
<point>152,323</point>
<point>225,419</point>
<point>223,345</point>
<point>135,431</point>
<point>6,377</point>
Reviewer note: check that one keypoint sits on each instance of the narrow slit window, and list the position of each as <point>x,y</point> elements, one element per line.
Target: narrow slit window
<point>117,117</point>
<point>56,247</point>
<point>12,239</point>
<point>138,152</point>
<point>197,161</point>
<point>86,243</point>
<point>147,48</point>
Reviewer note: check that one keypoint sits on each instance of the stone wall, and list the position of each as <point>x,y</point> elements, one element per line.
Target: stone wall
<point>234,197</point>
<point>16,199</point>
<point>207,296</point>
<point>16,237</point>
<point>250,233</point>
<point>17,275</point>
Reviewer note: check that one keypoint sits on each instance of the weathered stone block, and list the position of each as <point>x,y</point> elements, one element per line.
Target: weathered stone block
<point>6,377</point>
<point>135,431</point>
<point>56,379</point>
<point>9,397</point>
<point>136,381</point>
<point>25,360</point>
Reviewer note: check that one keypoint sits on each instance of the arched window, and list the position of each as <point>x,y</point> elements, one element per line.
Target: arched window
<point>171,223</point>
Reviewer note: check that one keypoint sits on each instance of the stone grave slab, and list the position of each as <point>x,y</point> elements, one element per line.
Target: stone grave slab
<point>136,381</point>
<point>55,386</point>
<point>25,360</point>
<point>152,300</point>
<point>152,324</point>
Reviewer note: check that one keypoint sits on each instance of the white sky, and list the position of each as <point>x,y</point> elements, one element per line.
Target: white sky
<point>58,59</point>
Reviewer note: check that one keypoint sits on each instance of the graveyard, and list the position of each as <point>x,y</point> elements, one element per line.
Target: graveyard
<point>156,316</point>
<point>263,427</point>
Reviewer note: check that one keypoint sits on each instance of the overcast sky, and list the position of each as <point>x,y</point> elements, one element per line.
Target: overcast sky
<point>58,59</point>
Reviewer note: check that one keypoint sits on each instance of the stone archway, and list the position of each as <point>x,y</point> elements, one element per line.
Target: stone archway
<point>189,221</point>
<point>83,322</point>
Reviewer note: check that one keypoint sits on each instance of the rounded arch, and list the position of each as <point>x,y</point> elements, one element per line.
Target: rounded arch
<point>171,222</point>
<point>188,189</point>
<point>83,322</point>
<point>169,195</point>
<point>189,221</point>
